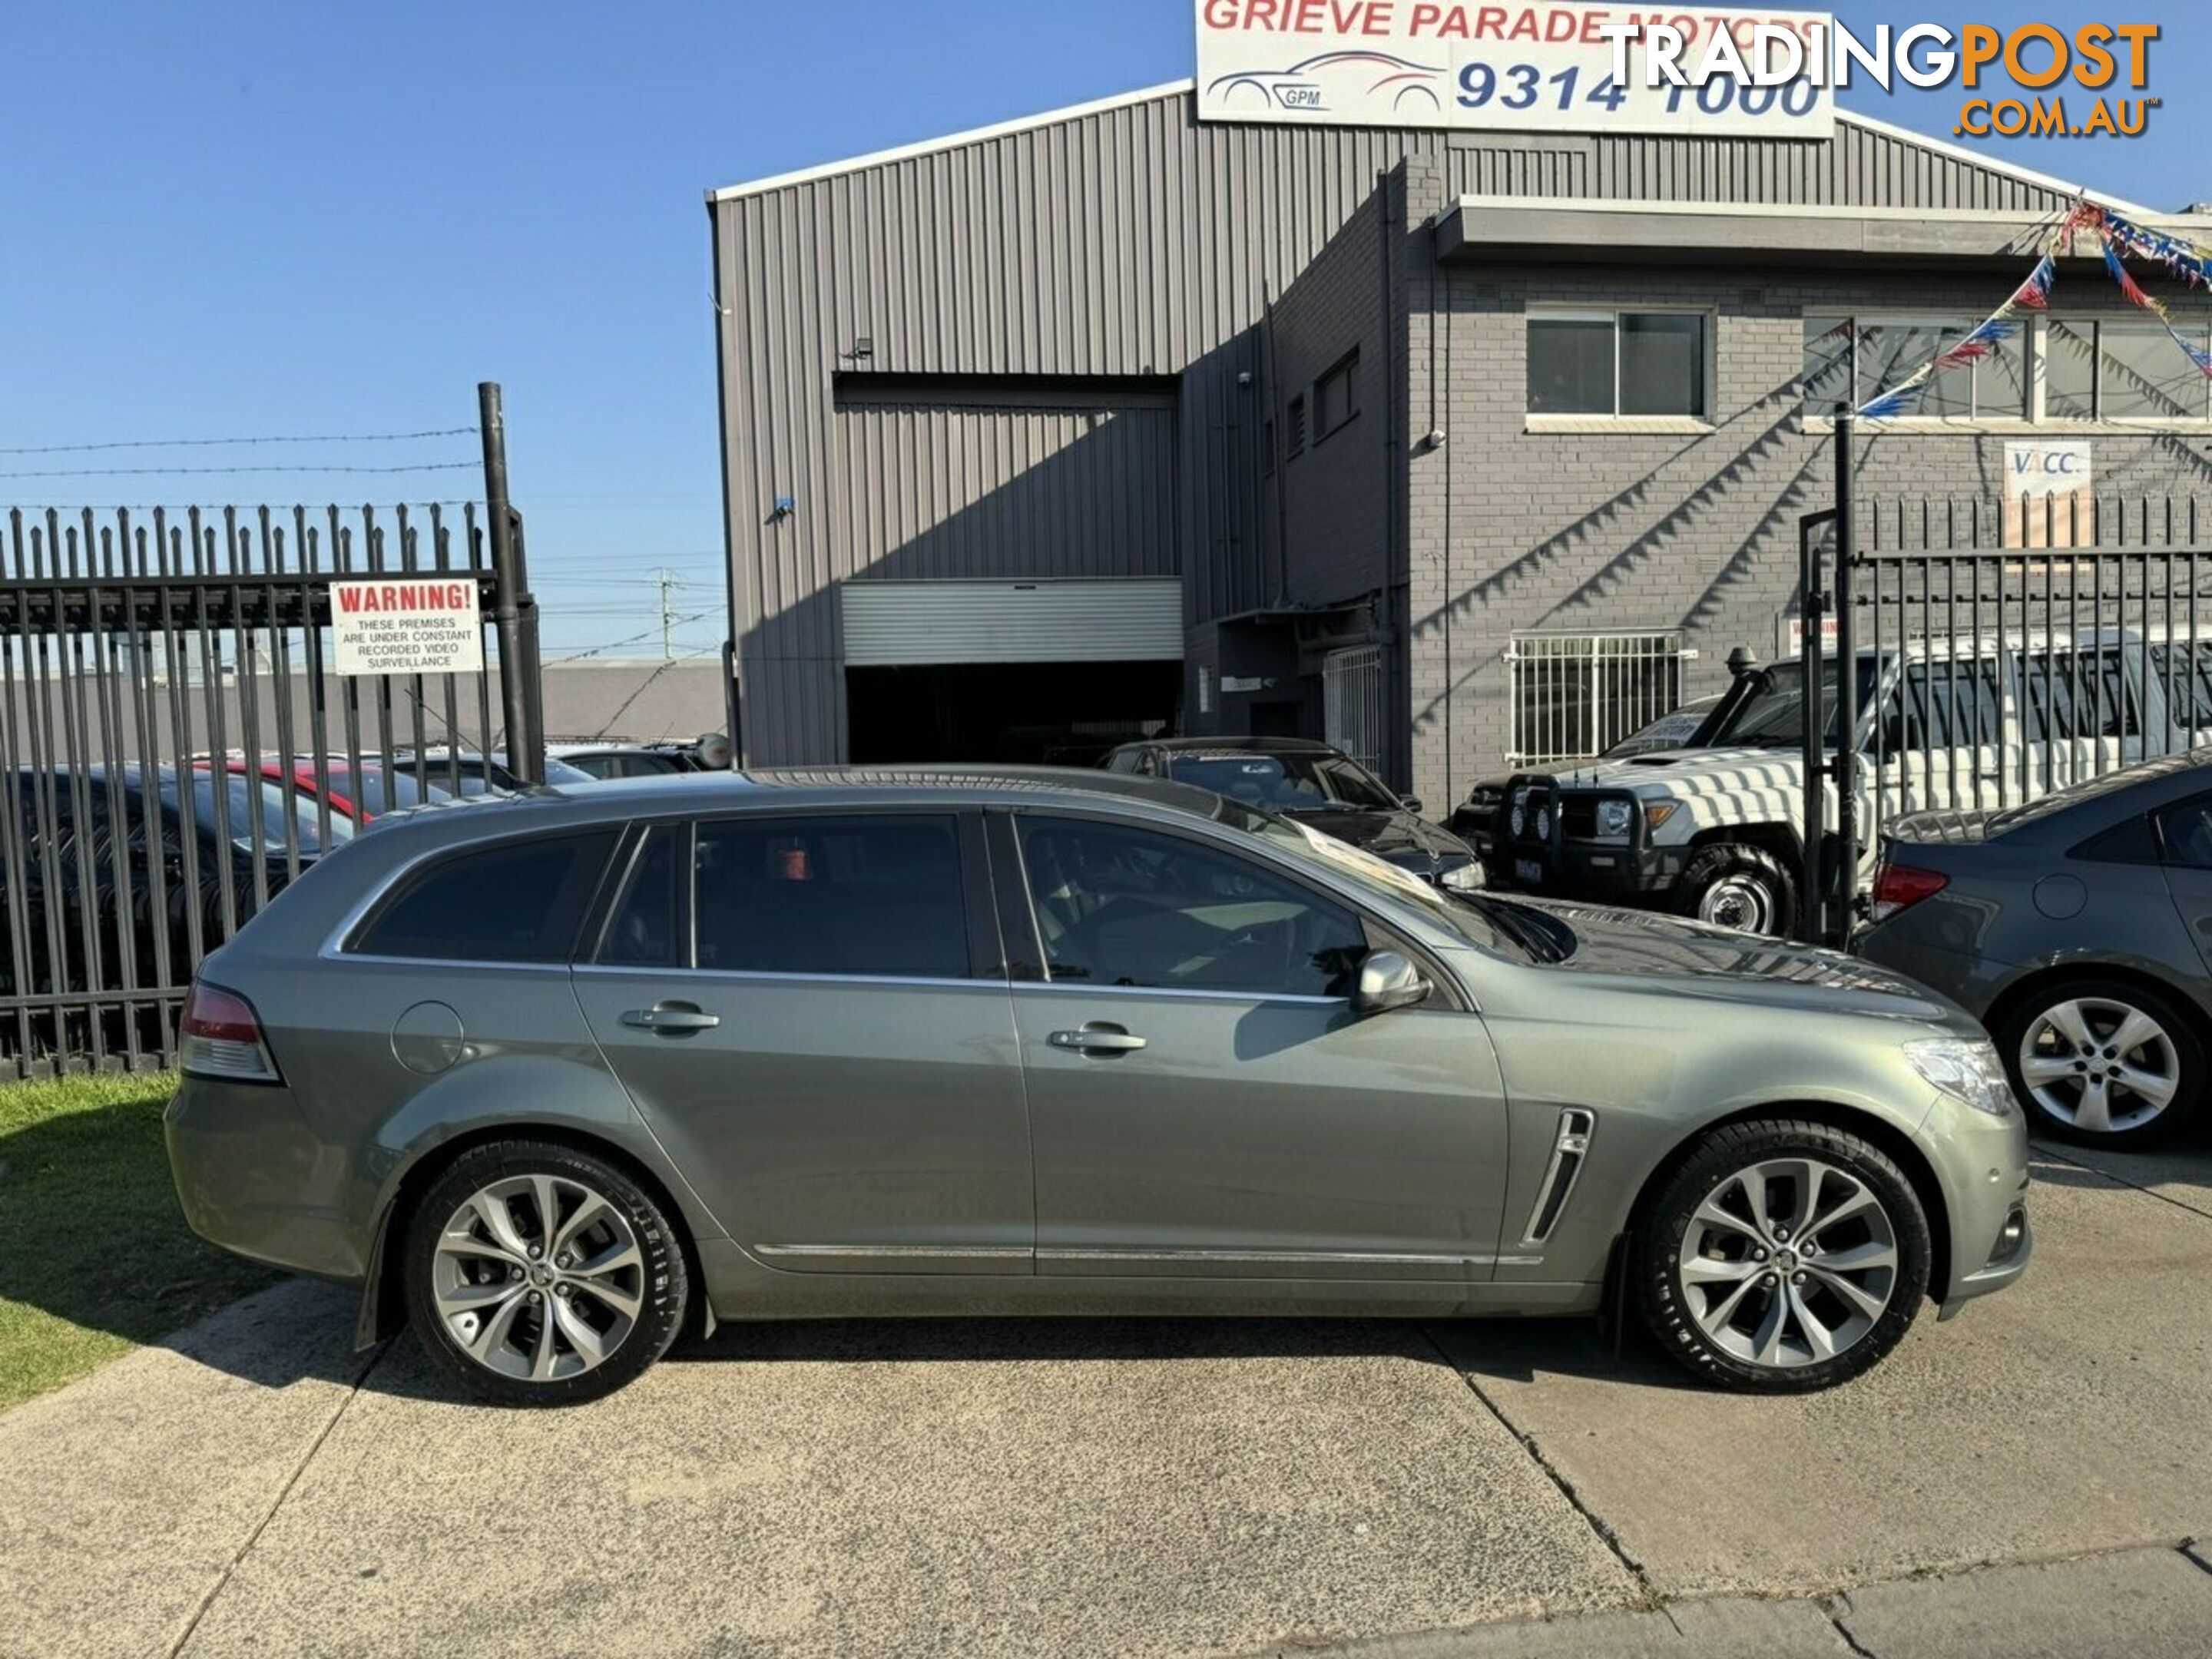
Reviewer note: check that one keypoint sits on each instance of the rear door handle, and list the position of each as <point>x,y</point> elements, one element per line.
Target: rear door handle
<point>1099,1038</point>
<point>671,1019</point>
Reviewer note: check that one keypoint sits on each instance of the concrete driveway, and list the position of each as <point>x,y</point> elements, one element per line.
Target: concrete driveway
<point>1062,1487</point>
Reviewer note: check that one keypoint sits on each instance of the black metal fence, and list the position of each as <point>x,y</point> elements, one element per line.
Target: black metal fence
<point>2002,651</point>
<point>179,746</point>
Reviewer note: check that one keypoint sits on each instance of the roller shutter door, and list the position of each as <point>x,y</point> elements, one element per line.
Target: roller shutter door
<point>900,623</point>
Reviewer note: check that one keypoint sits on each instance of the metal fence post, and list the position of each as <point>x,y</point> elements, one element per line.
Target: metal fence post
<point>515,612</point>
<point>1845,876</point>
<point>1812,609</point>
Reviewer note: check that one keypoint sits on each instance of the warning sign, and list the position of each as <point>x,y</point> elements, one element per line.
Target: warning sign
<point>407,625</point>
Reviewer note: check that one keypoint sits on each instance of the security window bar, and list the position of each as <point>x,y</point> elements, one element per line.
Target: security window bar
<point>1351,703</point>
<point>1297,433</point>
<point>1628,363</point>
<point>1575,696</point>
<point>1335,400</point>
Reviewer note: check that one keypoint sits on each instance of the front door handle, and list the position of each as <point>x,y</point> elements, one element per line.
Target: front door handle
<point>671,1019</point>
<point>1099,1038</point>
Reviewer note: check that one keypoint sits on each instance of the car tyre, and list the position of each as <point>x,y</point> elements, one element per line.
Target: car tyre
<point>1732,884</point>
<point>2168,1055</point>
<point>1793,1319</point>
<point>522,1310</point>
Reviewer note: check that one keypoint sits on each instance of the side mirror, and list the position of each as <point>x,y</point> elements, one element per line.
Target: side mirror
<point>1387,980</point>
<point>1412,803</point>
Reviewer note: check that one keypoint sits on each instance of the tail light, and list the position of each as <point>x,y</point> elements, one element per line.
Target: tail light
<point>1899,886</point>
<point>222,1037</point>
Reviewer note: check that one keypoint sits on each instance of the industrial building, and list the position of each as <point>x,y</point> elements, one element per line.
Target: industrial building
<point>1462,449</point>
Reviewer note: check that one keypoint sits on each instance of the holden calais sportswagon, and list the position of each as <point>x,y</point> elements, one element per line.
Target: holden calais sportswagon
<point>556,1075</point>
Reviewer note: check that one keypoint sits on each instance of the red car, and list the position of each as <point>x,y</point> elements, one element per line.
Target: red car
<point>358,797</point>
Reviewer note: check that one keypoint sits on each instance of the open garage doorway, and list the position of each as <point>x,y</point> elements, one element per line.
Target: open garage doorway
<point>1011,713</point>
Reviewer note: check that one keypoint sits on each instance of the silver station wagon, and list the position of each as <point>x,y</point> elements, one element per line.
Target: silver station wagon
<point>558,1076</point>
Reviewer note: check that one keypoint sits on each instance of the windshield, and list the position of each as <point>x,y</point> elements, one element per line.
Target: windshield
<point>1773,715</point>
<point>1488,926</point>
<point>376,790</point>
<point>245,796</point>
<point>1286,783</point>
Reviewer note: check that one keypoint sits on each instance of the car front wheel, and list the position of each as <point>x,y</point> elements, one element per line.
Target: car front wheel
<point>539,1274</point>
<point>1781,1256</point>
<point>1745,887</point>
<point>2105,1062</point>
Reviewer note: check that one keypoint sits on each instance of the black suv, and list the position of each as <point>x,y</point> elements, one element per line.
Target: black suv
<point>1322,788</point>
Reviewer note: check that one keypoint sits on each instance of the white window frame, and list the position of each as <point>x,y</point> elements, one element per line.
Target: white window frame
<point>2035,417</point>
<point>1708,370</point>
<point>1562,652</point>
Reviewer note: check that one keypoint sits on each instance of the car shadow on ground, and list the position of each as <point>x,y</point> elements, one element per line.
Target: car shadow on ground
<point>2179,1169</point>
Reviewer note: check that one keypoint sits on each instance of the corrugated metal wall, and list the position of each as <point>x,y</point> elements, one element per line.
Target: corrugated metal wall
<point>1120,620</point>
<point>963,484</point>
<point>1129,240</point>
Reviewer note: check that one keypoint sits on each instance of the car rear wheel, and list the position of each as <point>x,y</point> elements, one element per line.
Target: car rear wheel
<point>539,1274</point>
<point>1781,1256</point>
<point>1745,887</point>
<point>2102,1061</point>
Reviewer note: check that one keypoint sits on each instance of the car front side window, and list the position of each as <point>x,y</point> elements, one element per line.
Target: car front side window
<point>1120,905</point>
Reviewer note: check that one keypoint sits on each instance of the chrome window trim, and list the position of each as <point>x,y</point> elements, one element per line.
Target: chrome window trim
<point>747,975</point>
<point>1086,987</point>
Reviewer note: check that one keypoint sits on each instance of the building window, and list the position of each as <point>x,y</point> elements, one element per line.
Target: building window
<point>1298,436</point>
<point>1575,696</point>
<point>1267,449</point>
<point>1853,360</point>
<point>1335,400</point>
<point>2127,369</point>
<point>1630,363</point>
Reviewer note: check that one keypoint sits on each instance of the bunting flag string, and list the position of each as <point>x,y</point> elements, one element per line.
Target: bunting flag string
<point>2116,234</point>
<point>2112,240</point>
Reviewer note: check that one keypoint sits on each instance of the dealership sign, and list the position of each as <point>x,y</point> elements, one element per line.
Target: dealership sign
<point>414,625</point>
<point>1557,68</point>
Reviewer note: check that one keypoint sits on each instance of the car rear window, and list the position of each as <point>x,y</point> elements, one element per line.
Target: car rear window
<point>516,901</point>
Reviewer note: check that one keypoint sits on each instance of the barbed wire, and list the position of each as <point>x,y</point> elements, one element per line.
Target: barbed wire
<point>210,443</point>
<point>211,471</point>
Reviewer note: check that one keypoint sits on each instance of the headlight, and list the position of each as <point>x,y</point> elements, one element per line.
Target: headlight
<point>1543,823</point>
<point>1614,818</point>
<point>1463,877</point>
<point>1520,814</point>
<point>1965,1071</point>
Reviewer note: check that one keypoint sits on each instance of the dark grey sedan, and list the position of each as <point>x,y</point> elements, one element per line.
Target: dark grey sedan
<point>2077,928</point>
<point>556,1074</point>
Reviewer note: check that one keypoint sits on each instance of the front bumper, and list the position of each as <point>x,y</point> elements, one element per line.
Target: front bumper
<point>1981,1162</point>
<point>1596,870</point>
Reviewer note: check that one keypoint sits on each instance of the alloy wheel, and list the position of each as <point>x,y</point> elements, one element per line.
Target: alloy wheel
<point>1742,901</point>
<point>2102,1067</point>
<point>538,1278</point>
<point>1789,1262</point>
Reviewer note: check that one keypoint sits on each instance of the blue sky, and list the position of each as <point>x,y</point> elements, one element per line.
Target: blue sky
<point>226,218</point>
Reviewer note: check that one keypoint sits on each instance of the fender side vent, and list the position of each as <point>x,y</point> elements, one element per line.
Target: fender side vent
<point>1568,1152</point>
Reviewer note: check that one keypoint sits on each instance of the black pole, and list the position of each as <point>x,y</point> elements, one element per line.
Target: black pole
<point>515,612</point>
<point>1846,876</point>
<point>1813,607</point>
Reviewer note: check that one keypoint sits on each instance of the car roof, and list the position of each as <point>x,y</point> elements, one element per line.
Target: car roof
<point>617,799</point>
<point>1234,745</point>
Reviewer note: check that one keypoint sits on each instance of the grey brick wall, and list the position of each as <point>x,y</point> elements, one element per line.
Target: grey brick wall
<point>1514,530</point>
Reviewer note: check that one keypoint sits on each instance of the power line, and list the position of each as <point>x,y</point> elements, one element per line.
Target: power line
<point>205,443</point>
<point>615,644</point>
<point>151,471</point>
